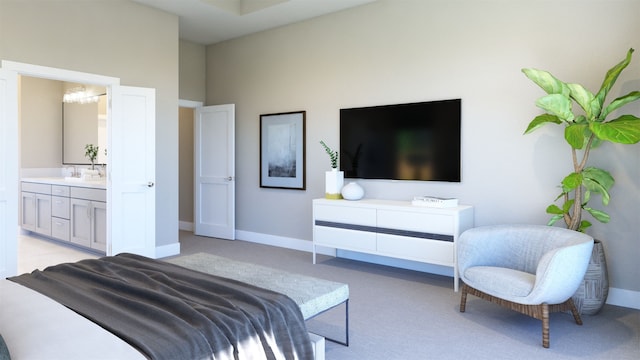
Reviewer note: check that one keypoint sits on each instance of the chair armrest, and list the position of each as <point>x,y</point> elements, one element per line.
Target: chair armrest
<point>559,273</point>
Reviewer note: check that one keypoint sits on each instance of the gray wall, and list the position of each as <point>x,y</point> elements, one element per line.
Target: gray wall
<point>416,50</point>
<point>121,39</point>
<point>192,70</point>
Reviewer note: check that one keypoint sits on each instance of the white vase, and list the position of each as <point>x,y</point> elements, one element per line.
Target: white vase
<point>334,180</point>
<point>352,191</point>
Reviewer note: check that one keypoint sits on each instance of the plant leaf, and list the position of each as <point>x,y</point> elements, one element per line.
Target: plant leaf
<point>567,206</point>
<point>599,215</point>
<point>540,120</point>
<point>586,197</point>
<point>584,224</point>
<point>554,219</point>
<point>557,104</point>
<point>599,181</point>
<point>583,97</point>
<point>554,210</point>
<point>571,182</point>
<point>546,81</point>
<point>623,130</point>
<point>611,77</point>
<point>575,135</point>
<point>620,102</point>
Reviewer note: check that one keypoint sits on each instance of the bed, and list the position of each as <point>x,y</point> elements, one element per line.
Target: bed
<point>143,308</point>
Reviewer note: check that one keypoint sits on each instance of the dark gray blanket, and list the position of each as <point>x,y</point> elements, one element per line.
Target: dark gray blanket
<point>170,312</point>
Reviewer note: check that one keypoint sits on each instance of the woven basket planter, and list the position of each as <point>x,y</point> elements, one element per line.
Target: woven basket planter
<point>594,289</point>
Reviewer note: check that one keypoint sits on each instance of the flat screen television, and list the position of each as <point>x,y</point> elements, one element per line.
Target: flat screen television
<point>415,141</point>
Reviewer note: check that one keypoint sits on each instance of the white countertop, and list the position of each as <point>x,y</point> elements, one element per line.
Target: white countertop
<point>77,182</point>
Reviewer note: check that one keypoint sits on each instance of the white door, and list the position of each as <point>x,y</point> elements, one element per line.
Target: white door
<point>8,173</point>
<point>131,158</point>
<point>214,147</point>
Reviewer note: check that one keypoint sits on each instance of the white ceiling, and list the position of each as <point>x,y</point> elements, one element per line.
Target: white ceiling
<point>210,21</point>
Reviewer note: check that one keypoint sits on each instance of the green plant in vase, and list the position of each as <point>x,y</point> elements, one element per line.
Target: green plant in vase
<point>91,152</point>
<point>333,155</point>
<point>585,128</point>
<point>334,179</point>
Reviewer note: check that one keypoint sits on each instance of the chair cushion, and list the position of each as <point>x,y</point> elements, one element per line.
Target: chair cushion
<point>501,282</point>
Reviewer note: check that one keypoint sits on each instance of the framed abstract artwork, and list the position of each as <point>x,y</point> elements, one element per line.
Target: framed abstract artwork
<point>282,150</point>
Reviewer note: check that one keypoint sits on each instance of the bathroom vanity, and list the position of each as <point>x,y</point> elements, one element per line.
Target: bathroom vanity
<point>68,210</point>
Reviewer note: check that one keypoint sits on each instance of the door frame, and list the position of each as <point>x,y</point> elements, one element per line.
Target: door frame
<point>45,72</point>
<point>189,104</point>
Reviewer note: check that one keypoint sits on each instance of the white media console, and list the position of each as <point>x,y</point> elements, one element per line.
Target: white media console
<point>390,228</point>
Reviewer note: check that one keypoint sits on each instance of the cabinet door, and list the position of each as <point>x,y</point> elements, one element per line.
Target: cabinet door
<point>98,225</point>
<point>28,213</point>
<point>80,232</point>
<point>43,214</point>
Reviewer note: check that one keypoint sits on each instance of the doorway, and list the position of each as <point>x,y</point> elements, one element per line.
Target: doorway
<point>186,116</point>
<point>131,130</point>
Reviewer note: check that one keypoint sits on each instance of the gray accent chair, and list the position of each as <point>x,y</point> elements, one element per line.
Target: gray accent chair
<point>532,269</point>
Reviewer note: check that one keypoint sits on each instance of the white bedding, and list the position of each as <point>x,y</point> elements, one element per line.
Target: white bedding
<point>36,327</point>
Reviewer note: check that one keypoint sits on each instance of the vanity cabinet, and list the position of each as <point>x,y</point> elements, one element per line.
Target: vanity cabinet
<point>35,201</point>
<point>68,213</point>
<point>60,212</point>
<point>88,210</point>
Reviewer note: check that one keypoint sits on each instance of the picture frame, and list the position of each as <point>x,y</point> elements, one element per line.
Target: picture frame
<point>282,150</point>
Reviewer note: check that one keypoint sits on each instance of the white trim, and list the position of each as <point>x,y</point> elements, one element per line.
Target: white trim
<point>185,225</point>
<point>167,250</point>
<point>59,74</point>
<point>189,103</point>
<point>624,297</point>
<point>279,241</point>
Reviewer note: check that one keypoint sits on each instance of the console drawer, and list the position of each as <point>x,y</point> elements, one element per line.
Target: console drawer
<point>425,250</point>
<point>416,221</point>
<point>345,215</point>
<point>345,239</point>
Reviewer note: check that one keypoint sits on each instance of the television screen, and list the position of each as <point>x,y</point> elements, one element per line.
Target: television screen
<point>416,141</point>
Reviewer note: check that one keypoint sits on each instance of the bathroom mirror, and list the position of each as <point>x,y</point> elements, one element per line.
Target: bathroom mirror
<point>84,124</point>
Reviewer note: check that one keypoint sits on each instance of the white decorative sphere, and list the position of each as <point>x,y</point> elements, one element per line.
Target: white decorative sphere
<point>352,191</point>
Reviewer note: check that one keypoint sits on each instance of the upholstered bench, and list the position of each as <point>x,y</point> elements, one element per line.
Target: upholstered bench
<point>314,296</point>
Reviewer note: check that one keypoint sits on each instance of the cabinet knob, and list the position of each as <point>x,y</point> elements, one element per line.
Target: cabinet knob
<point>150,184</point>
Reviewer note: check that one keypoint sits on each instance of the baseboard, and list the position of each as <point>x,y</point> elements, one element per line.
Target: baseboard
<point>185,225</point>
<point>281,241</point>
<point>167,250</point>
<point>624,297</point>
<point>617,297</point>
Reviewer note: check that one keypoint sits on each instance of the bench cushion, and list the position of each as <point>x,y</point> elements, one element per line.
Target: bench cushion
<point>312,295</point>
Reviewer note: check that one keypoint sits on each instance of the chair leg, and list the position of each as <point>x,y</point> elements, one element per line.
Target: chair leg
<point>463,298</point>
<point>545,325</point>
<point>574,311</point>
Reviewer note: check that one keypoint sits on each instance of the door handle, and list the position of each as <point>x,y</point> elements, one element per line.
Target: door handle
<point>150,184</point>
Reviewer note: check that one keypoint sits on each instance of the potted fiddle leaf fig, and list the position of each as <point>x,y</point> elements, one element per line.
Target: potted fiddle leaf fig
<point>585,128</point>
<point>585,118</point>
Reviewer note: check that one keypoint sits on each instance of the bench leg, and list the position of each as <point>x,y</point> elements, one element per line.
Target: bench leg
<point>346,327</point>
